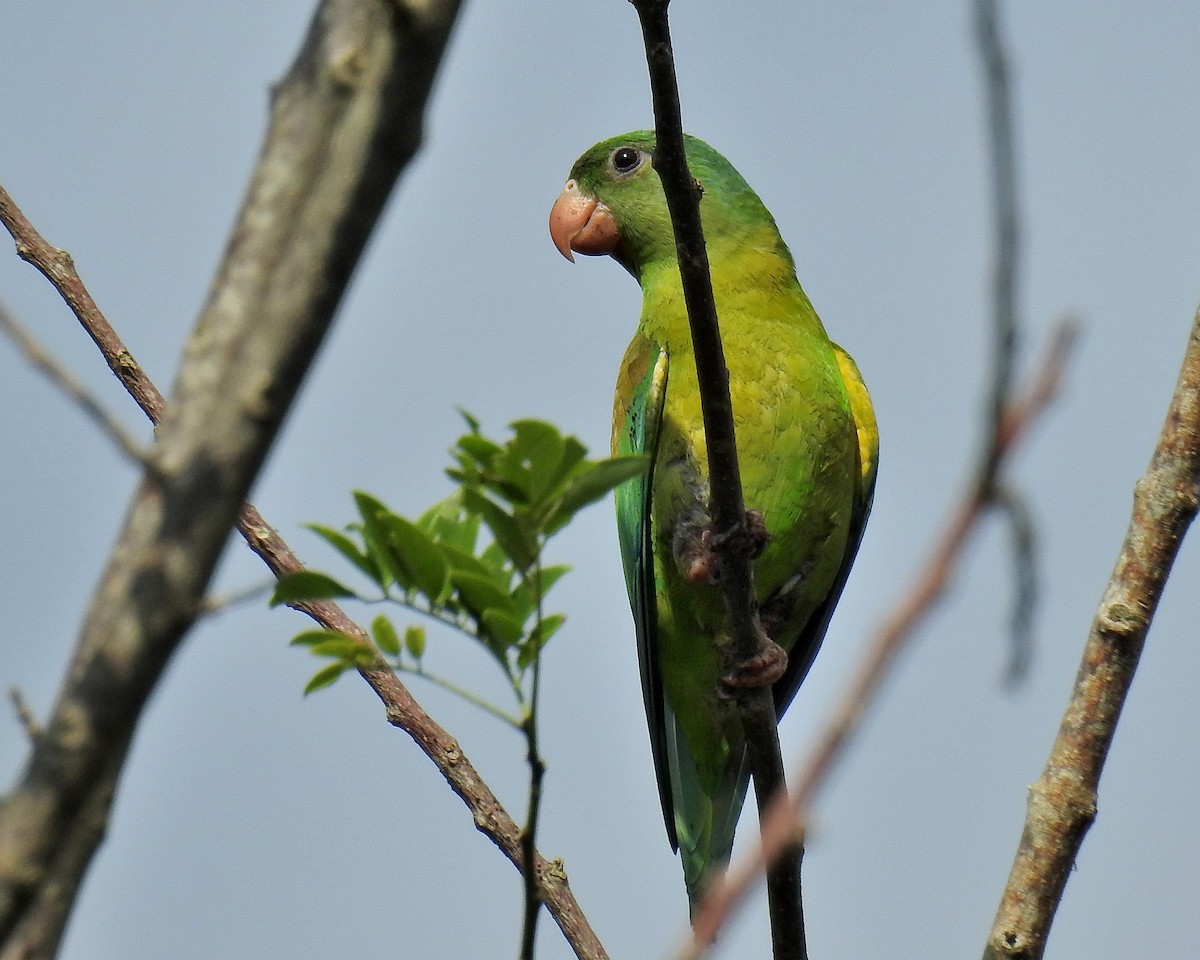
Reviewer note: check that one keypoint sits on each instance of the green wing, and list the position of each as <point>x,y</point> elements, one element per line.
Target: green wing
<point>640,396</point>
<point>801,656</point>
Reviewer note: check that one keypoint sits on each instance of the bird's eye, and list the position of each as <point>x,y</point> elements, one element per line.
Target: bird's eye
<point>626,159</point>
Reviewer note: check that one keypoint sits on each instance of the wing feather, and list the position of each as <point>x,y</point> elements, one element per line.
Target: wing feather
<point>636,430</point>
<point>801,657</point>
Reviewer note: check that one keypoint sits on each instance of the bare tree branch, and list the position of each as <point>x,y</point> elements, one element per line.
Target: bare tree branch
<point>57,266</point>
<point>1062,804</point>
<point>344,123</point>
<point>61,377</point>
<point>216,603</point>
<point>25,717</point>
<point>731,536</point>
<point>1006,256</point>
<point>1002,154</point>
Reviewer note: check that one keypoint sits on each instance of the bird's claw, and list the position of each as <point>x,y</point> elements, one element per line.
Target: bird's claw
<point>698,561</point>
<point>761,670</point>
<point>699,556</point>
<point>751,538</point>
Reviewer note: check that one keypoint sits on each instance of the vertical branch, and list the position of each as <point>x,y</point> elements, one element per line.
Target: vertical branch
<point>1005,323</point>
<point>1003,159</point>
<point>537,772</point>
<point>730,533</point>
<point>1062,804</point>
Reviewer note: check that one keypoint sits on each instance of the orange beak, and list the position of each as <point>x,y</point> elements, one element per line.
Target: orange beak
<point>582,224</point>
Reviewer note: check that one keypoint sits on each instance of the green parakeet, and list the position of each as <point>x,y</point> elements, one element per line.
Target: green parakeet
<point>807,446</point>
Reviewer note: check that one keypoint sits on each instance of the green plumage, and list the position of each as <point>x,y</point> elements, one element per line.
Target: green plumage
<point>807,447</point>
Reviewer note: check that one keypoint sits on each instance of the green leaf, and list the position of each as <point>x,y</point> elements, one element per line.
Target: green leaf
<point>523,594</point>
<point>414,641</point>
<point>468,562</point>
<point>496,560</point>
<point>347,548</point>
<point>538,638</point>
<point>462,534</point>
<point>572,455</point>
<point>537,442</point>
<point>448,523</point>
<point>590,485</point>
<point>502,628</point>
<point>369,508</point>
<point>325,676</point>
<point>428,520</point>
<point>472,423</point>
<point>341,648</point>
<point>478,450</point>
<point>482,593</point>
<point>505,528</point>
<point>536,451</point>
<point>308,585</point>
<point>365,655</point>
<point>375,538</point>
<point>420,556</point>
<point>309,638</point>
<point>511,483</point>
<point>385,635</point>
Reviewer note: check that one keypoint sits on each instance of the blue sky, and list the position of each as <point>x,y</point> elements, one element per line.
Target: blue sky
<point>252,821</point>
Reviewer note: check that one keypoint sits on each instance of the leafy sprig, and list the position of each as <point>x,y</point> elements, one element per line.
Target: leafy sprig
<point>492,589</point>
<point>472,562</point>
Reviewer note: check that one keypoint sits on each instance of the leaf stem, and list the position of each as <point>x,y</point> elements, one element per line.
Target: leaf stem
<point>537,772</point>
<point>462,693</point>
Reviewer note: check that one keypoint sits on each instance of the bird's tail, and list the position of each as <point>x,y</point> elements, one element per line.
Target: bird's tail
<point>706,813</point>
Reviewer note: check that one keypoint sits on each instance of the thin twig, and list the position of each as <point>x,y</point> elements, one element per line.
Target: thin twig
<point>58,267</point>
<point>1024,545</point>
<point>39,358</point>
<point>1062,804</point>
<point>463,694</point>
<point>1006,262</point>
<point>24,715</point>
<point>219,603</point>
<point>537,773</point>
<point>756,707</point>
<point>787,817</point>
<point>1002,153</point>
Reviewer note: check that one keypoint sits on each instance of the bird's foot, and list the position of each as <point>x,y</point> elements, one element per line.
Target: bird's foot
<point>750,538</point>
<point>698,561</point>
<point>698,550</point>
<point>761,670</point>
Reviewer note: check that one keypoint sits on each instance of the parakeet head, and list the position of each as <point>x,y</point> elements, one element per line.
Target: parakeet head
<point>613,204</point>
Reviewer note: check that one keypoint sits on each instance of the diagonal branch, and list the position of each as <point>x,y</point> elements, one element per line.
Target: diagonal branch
<point>1062,804</point>
<point>58,267</point>
<point>61,377</point>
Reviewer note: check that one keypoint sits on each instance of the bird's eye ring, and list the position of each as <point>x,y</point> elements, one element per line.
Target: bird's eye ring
<point>625,160</point>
